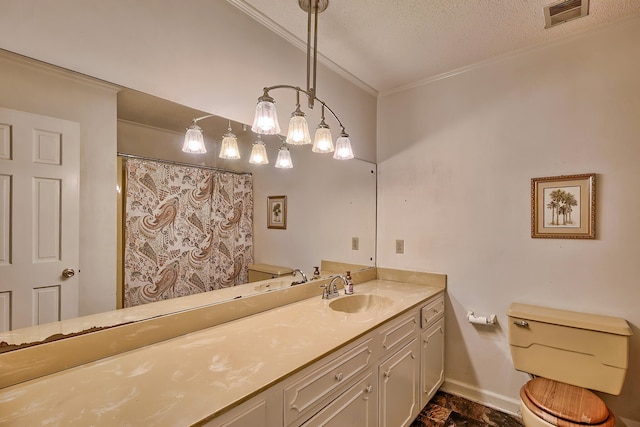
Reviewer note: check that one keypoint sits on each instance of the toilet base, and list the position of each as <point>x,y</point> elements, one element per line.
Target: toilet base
<point>529,419</point>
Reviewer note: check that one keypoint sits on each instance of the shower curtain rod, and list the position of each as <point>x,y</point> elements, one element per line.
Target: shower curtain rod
<point>171,162</point>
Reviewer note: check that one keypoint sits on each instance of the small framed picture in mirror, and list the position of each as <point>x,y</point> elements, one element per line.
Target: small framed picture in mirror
<point>277,212</point>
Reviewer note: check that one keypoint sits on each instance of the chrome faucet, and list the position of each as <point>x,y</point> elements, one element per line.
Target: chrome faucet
<point>304,277</point>
<point>331,289</point>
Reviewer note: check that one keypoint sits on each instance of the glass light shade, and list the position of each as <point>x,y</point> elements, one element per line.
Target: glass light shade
<point>343,148</point>
<point>323,141</point>
<point>194,140</point>
<point>298,133</point>
<point>229,148</point>
<point>265,121</point>
<point>259,154</point>
<point>284,159</point>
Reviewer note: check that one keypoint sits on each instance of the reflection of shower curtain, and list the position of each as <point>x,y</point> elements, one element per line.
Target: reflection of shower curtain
<point>187,230</point>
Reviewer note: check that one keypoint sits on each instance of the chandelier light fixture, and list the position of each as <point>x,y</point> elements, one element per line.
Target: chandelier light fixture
<point>265,121</point>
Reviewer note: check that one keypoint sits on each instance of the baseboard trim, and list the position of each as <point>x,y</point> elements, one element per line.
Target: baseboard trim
<point>484,397</point>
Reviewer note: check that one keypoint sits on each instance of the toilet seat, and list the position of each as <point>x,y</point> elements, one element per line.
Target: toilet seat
<point>565,405</point>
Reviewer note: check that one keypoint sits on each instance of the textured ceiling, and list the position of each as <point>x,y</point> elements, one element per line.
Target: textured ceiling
<point>388,44</point>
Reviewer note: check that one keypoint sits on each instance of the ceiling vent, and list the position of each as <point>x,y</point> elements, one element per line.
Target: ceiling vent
<point>564,11</point>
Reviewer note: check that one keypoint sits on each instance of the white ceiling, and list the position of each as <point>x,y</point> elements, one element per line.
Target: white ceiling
<point>390,44</point>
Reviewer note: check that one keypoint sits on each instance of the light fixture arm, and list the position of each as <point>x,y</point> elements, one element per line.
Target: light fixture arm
<point>310,96</point>
<point>324,104</point>
<point>196,120</point>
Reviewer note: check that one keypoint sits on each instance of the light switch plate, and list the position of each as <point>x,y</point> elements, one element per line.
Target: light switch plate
<point>355,243</point>
<point>399,246</point>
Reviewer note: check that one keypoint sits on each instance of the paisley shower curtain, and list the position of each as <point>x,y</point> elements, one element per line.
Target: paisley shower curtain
<point>187,230</point>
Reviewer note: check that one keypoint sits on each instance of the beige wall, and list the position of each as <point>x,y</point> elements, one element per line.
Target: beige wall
<point>27,87</point>
<point>456,157</point>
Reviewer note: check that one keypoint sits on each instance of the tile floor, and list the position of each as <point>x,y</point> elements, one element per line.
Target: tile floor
<point>447,410</point>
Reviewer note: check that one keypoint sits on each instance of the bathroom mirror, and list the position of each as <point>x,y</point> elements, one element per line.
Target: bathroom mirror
<point>331,203</point>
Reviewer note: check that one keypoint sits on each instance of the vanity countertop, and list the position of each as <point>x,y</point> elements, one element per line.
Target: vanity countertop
<point>187,379</point>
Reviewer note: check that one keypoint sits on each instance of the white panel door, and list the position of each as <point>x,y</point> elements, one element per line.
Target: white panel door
<point>39,204</point>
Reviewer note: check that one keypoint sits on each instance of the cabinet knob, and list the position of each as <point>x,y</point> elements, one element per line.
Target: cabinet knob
<point>368,389</point>
<point>339,376</point>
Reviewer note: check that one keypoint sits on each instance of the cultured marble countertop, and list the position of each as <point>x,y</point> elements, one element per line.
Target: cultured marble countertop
<point>185,380</point>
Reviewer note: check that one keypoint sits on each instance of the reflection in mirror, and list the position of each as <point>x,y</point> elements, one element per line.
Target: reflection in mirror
<point>331,203</point>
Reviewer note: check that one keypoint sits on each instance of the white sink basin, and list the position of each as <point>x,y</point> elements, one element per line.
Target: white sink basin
<point>360,302</point>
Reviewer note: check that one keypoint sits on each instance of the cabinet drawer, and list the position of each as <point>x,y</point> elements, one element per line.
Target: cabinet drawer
<point>325,380</point>
<point>432,311</point>
<point>399,332</point>
<point>355,407</point>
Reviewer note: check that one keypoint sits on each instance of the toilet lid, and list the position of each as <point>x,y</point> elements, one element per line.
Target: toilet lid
<point>566,402</point>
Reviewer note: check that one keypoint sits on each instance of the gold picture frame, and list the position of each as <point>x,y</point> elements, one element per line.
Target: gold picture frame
<point>564,207</point>
<point>277,212</point>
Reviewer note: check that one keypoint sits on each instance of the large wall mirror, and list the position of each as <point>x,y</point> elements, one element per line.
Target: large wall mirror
<point>331,203</point>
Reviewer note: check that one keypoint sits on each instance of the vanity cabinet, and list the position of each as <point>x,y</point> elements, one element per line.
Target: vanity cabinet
<point>383,379</point>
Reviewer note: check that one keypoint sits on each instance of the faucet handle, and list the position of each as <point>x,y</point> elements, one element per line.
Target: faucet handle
<point>334,289</point>
<point>325,291</point>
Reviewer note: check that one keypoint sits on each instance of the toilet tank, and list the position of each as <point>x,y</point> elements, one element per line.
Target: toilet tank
<point>586,350</point>
<point>259,272</point>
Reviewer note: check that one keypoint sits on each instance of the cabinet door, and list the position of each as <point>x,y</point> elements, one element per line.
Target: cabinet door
<point>355,407</point>
<point>432,359</point>
<point>399,389</point>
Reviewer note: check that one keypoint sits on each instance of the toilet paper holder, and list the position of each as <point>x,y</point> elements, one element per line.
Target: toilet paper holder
<point>481,320</point>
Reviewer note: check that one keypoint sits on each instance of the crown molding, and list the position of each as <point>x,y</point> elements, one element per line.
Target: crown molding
<point>496,59</point>
<point>59,71</point>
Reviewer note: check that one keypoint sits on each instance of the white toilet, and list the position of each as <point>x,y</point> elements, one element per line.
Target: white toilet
<point>568,352</point>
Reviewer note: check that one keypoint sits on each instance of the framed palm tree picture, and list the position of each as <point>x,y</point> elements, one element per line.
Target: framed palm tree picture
<point>277,212</point>
<point>564,207</point>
